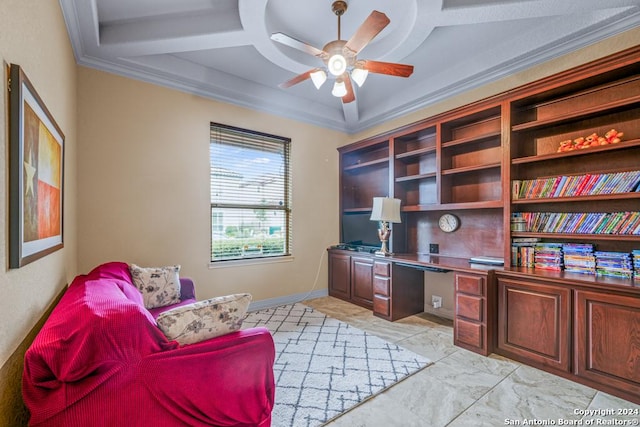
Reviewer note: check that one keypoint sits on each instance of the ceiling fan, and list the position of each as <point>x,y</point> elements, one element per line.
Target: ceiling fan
<point>341,56</point>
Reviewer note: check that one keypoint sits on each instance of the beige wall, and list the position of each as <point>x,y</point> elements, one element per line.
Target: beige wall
<point>33,35</point>
<point>144,185</point>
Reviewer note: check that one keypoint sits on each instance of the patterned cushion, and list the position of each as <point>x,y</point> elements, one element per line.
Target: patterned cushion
<point>206,319</point>
<point>160,286</point>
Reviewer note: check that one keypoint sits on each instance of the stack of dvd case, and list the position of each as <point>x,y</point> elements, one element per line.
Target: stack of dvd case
<point>548,256</point>
<point>614,264</point>
<point>636,264</point>
<point>579,258</point>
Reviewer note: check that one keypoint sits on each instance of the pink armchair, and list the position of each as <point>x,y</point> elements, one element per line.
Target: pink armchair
<point>100,360</point>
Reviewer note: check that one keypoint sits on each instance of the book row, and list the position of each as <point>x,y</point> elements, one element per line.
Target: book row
<point>579,258</point>
<point>576,185</point>
<point>620,223</point>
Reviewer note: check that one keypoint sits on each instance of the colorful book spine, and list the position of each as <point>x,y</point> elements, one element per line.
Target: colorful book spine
<point>577,185</point>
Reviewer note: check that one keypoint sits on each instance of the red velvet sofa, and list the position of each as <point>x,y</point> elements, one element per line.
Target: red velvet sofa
<point>101,360</point>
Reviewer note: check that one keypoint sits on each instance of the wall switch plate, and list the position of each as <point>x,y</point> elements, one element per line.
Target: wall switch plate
<point>434,248</point>
<point>436,301</point>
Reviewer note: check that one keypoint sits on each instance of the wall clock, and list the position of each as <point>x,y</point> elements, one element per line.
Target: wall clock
<point>449,223</point>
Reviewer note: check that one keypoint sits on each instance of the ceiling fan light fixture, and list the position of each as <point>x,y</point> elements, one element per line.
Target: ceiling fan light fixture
<point>337,64</point>
<point>359,75</point>
<point>339,89</point>
<point>318,78</point>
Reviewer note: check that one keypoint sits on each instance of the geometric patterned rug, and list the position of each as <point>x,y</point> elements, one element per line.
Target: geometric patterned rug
<point>325,367</point>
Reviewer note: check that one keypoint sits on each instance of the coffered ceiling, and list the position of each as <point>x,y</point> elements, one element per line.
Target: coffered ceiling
<point>222,49</point>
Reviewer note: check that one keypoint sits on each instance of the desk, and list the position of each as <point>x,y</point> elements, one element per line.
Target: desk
<point>393,287</point>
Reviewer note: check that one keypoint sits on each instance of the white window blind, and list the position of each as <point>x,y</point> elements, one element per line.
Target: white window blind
<point>250,194</point>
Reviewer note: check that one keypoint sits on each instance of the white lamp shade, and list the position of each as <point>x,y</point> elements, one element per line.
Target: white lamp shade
<point>318,78</point>
<point>359,75</point>
<point>339,89</point>
<point>385,209</point>
<point>337,65</point>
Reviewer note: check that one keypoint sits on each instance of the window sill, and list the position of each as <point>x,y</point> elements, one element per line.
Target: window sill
<point>250,261</point>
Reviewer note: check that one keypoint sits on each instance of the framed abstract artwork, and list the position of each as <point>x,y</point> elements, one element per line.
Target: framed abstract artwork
<point>36,166</point>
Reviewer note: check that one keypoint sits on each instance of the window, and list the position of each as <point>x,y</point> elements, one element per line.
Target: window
<point>250,194</point>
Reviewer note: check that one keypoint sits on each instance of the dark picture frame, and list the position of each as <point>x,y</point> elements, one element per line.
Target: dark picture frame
<point>36,174</point>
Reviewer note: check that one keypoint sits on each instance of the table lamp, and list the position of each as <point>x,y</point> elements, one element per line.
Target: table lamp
<point>385,210</point>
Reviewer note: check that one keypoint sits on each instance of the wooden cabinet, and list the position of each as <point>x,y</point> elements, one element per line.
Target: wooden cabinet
<point>475,162</point>
<point>362,281</point>
<point>391,291</point>
<point>607,340</point>
<point>340,275</point>
<point>382,289</point>
<point>534,323</point>
<point>474,306</point>
<point>351,277</point>
<point>398,291</point>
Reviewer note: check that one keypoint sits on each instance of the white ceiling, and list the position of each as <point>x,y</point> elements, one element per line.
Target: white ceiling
<point>222,48</point>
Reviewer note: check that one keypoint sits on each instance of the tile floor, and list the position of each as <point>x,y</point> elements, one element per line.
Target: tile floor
<point>463,389</point>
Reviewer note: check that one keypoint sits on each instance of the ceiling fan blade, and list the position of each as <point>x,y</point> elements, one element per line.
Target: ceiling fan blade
<point>297,44</point>
<point>349,97</point>
<point>390,68</point>
<point>367,31</point>
<point>297,79</point>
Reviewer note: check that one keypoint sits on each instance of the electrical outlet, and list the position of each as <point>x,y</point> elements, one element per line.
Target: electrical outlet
<point>436,301</point>
<point>434,248</point>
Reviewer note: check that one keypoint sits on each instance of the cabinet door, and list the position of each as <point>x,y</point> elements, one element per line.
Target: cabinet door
<point>607,339</point>
<point>339,275</point>
<point>362,281</point>
<point>534,323</point>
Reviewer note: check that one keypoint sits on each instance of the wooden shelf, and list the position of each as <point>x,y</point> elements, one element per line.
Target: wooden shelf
<point>586,113</point>
<point>632,143</point>
<point>490,204</point>
<point>415,153</point>
<point>363,165</point>
<point>595,197</point>
<point>468,169</point>
<point>572,236</point>
<point>475,138</point>
<point>416,177</point>
<point>587,280</point>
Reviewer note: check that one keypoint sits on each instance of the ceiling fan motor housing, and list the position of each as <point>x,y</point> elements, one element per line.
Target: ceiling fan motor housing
<point>339,7</point>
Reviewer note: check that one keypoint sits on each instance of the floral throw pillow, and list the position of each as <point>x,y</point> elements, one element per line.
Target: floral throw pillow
<point>160,286</point>
<point>206,319</point>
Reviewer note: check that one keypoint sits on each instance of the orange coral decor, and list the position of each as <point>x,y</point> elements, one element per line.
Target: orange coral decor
<point>593,140</point>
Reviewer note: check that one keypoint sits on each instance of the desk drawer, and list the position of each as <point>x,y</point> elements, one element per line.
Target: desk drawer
<point>469,333</point>
<point>382,286</point>
<point>381,305</point>
<point>382,269</point>
<point>470,284</point>
<point>469,307</point>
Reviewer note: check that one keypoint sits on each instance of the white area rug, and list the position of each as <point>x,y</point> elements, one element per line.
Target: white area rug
<point>325,367</point>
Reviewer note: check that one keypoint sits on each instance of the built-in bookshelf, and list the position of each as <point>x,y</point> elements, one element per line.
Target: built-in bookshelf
<point>416,169</point>
<point>545,176</point>
<point>575,156</point>
<point>364,175</point>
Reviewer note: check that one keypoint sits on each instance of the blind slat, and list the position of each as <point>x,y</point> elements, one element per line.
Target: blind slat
<point>250,200</point>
